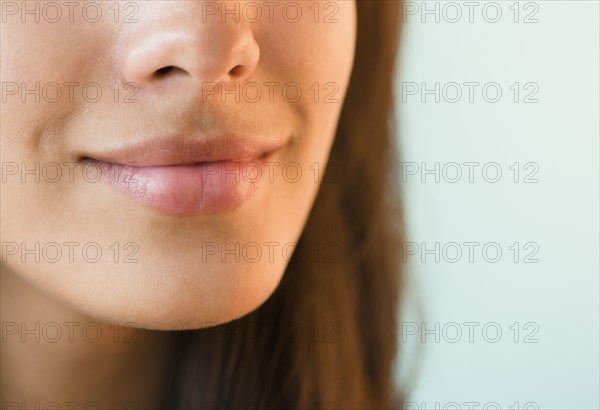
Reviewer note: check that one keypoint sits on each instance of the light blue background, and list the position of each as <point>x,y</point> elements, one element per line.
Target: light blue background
<point>560,134</point>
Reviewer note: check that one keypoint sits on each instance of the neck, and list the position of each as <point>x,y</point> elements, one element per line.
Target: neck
<point>50,353</point>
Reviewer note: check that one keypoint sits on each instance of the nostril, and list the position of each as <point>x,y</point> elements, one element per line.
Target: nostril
<point>236,71</point>
<point>162,72</point>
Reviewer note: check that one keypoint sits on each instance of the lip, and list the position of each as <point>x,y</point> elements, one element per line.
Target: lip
<point>184,177</point>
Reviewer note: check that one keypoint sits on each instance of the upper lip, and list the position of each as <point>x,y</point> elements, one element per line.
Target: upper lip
<point>178,150</point>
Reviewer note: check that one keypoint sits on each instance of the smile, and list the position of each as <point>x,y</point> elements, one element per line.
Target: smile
<point>183,177</point>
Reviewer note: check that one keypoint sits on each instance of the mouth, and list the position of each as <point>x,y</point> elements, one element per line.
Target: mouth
<point>185,177</point>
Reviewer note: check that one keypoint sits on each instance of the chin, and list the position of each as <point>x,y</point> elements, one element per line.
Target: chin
<point>166,297</point>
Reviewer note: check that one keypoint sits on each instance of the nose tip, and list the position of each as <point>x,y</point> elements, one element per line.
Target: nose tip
<point>199,54</point>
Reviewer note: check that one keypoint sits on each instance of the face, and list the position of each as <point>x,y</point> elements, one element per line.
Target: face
<point>160,158</point>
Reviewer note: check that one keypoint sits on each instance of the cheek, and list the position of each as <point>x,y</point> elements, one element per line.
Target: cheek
<point>45,68</point>
<point>316,51</point>
<point>315,56</point>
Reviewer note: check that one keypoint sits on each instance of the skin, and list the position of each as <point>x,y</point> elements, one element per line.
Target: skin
<point>172,283</point>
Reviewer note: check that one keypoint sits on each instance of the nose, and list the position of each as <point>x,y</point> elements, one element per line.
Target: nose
<point>178,44</point>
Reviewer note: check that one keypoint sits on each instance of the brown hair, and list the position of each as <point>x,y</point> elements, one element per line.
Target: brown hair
<point>327,337</point>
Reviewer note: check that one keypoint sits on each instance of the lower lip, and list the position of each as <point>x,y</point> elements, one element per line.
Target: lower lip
<point>186,189</point>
